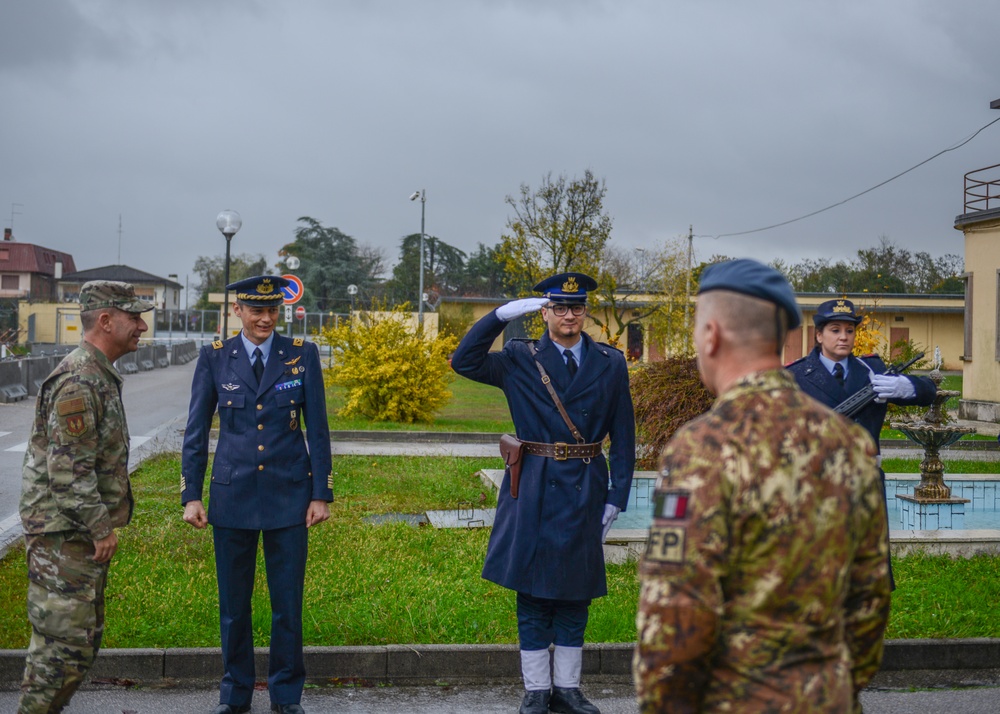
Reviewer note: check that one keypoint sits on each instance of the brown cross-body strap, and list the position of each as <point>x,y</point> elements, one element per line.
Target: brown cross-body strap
<point>547,381</point>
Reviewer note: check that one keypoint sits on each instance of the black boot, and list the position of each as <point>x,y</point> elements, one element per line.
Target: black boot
<point>535,702</point>
<point>571,701</point>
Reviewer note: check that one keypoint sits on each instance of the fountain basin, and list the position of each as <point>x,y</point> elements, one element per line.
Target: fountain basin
<point>627,539</point>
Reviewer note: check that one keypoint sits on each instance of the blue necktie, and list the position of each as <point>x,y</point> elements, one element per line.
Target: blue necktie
<point>570,363</point>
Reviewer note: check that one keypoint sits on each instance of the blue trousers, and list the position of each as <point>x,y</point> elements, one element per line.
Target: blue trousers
<point>542,622</point>
<point>285,551</point>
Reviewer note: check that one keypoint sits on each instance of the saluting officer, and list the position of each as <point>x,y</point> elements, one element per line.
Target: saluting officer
<point>269,476</point>
<point>547,543</point>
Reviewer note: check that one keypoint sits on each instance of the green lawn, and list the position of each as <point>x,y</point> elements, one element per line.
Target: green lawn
<point>472,407</point>
<point>395,584</point>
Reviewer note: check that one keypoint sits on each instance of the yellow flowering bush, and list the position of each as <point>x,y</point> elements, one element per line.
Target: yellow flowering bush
<point>868,336</point>
<point>390,369</point>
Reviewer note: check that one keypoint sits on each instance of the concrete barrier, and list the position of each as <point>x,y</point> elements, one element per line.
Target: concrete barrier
<point>144,358</point>
<point>160,356</point>
<point>36,370</point>
<point>12,382</point>
<point>127,364</point>
<point>183,352</point>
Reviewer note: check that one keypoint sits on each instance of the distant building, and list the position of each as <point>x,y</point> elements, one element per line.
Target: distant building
<point>980,223</point>
<point>56,319</point>
<point>31,272</point>
<point>164,293</point>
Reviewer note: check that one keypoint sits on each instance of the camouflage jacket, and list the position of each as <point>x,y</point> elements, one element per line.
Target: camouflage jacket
<point>765,582</point>
<point>75,475</point>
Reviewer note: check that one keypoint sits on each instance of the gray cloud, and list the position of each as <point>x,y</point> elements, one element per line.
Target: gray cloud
<point>726,115</point>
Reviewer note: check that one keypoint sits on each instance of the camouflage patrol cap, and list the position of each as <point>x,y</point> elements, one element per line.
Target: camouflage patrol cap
<point>101,294</point>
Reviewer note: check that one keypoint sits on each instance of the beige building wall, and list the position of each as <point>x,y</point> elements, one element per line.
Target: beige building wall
<point>58,323</point>
<point>981,385</point>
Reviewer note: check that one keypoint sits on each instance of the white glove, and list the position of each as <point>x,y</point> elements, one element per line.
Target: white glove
<point>515,309</point>
<point>610,514</point>
<point>892,386</point>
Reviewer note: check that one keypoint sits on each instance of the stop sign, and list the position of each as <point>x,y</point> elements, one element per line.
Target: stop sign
<point>300,312</point>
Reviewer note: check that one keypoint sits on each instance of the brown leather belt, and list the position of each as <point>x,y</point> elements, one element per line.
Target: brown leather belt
<point>560,451</point>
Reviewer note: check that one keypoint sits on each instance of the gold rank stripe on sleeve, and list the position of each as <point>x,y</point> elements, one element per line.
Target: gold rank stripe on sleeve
<point>329,481</point>
<point>183,483</point>
<point>70,406</point>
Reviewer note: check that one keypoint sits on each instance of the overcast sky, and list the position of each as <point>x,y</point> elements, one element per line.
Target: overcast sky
<point>725,114</point>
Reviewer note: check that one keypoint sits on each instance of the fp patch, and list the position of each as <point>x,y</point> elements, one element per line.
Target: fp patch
<point>666,544</point>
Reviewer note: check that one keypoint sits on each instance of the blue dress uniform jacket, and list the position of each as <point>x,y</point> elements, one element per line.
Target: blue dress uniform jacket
<point>263,477</point>
<point>547,542</point>
<point>816,381</point>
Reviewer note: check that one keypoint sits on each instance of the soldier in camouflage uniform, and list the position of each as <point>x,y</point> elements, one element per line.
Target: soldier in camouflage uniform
<point>764,585</point>
<point>75,491</point>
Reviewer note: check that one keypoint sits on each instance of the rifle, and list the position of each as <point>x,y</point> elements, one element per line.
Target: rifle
<point>863,397</point>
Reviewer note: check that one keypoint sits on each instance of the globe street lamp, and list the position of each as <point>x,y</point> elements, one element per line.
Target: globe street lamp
<point>228,223</point>
<point>422,195</point>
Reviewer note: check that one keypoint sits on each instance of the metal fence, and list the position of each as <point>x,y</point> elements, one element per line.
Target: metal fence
<point>201,324</point>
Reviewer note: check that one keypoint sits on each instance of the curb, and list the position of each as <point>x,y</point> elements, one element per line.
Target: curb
<point>907,663</point>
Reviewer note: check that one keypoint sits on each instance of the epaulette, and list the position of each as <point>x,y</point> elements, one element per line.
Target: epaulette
<point>217,344</point>
<point>792,364</point>
<point>298,341</point>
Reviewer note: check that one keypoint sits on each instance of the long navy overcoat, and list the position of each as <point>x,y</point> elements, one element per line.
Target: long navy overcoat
<point>816,381</point>
<point>547,542</point>
<point>263,476</point>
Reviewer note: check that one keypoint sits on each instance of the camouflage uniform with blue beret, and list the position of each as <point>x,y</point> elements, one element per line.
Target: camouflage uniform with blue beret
<point>75,491</point>
<point>764,585</point>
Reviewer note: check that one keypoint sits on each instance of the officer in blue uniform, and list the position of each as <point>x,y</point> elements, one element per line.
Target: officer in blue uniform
<point>831,373</point>
<point>546,544</point>
<point>271,478</point>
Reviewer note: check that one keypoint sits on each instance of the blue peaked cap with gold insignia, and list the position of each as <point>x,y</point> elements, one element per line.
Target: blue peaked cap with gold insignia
<point>259,291</point>
<point>566,287</point>
<point>840,310</point>
<point>754,279</point>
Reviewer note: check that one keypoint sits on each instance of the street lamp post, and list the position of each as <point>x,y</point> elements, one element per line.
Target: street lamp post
<point>228,222</point>
<point>422,195</point>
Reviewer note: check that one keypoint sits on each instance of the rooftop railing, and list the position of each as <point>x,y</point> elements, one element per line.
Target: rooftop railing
<point>982,189</point>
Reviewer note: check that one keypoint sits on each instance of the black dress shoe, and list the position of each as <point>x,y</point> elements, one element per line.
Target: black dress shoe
<point>535,701</point>
<point>571,701</point>
<point>287,709</point>
<point>231,709</point>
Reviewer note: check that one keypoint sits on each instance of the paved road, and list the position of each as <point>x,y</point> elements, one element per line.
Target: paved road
<point>156,405</point>
<point>459,699</point>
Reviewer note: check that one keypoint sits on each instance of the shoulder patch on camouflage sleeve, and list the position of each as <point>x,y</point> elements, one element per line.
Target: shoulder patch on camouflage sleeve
<point>298,341</point>
<point>217,344</point>
<point>71,405</point>
<point>666,544</point>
